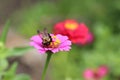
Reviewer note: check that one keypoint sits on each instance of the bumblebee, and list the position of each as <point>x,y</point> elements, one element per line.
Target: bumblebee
<point>46,38</point>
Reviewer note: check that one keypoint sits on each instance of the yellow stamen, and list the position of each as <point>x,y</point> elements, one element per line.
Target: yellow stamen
<point>55,43</point>
<point>71,25</point>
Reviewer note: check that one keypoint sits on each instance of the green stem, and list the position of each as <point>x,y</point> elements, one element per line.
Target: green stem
<point>68,65</point>
<point>49,54</point>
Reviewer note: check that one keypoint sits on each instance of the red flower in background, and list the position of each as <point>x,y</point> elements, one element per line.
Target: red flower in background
<point>77,33</point>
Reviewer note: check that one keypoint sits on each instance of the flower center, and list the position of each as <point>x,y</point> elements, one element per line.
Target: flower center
<point>72,25</point>
<point>55,43</point>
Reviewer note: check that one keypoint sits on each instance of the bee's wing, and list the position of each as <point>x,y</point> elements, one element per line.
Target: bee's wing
<point>45,32</point>
<point>38,31</point>
<point>41,34</point>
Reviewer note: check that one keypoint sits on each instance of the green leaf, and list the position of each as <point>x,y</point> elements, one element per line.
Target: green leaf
<point>18,51</point>
<point>3,64</point>
<point>11,72</point>
<point>5,31</point>
<point>4,53</point>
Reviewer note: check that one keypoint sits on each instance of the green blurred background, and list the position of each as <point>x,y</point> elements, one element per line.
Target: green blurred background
<point>101,16</point>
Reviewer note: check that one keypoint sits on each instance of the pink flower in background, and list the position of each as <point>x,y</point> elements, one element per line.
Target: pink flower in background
<point>90,74</point>
<point>102,71</point>
<point>57,43</point>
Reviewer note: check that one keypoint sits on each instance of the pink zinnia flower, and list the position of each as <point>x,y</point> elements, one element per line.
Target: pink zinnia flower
<point>58,43</point>
<point>97,74</point>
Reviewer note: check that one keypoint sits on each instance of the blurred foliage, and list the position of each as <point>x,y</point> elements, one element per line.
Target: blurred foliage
<point>11,74</point>
<point>5,72</point>
<point>45,13</point>
<point>101,16</point>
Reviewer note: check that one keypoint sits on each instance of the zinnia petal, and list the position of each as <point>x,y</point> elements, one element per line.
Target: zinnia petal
<point>88,74</point>
<point>37,46</point>
<point>37,39</point>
